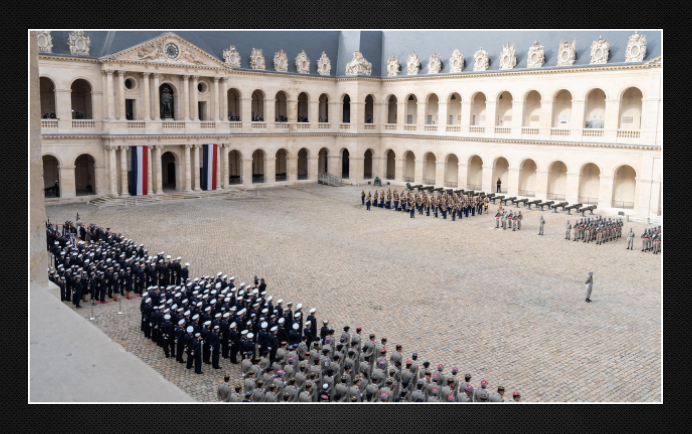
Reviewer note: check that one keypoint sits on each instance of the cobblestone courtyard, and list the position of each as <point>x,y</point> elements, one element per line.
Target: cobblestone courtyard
<point>504,306</point>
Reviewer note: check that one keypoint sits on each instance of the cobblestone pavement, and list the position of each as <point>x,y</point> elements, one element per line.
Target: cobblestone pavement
<point>504,306</point>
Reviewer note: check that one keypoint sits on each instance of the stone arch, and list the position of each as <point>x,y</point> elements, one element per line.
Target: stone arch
<point>594,108</point>
<point>409,166</point>
<point>432,106</point>
<point>527,178</point>
<point>369,109</point>
<point>562,109</point>
<point>345,163</point>
<point>624,187</point>
<point>429,168</point>
<point>171,178</point>
<point>503,112</point>
<point>172,88</point>
<point>630,116</point>
<point>451,171</point>
<point>235,167</point>
<point>47,86</point>
<point>557,180</point>
<point>323,161</point>
<point>411,109</point>
<point>501,171</point>
<point>259,166</point>
<point>478,105</point>
<point>390,171</point>
<point>324,107</point>
<point>303,164</point>
<point>281,106</point>
<point>303,107</point>
<point>391,109</point>
<point>51,174</point>
<point>234,101</point>
<point>453,109</point>
<point>257,105</point>
<point>589,183</point>
<point>281,165</point>
<point>80,99</point>
<point>532,109</point>
<point>345,108</point>
<point>85,175</point>
<point>474,177</point>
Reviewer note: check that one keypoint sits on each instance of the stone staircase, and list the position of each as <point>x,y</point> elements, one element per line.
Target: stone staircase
<point>176,196</point>
<point>329,179</point>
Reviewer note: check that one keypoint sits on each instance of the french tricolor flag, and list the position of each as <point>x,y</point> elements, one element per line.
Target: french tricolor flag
<point>138,182</point>
<point>209,167</point>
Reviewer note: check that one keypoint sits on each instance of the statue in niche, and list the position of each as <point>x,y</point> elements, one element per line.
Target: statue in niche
<point>166,103</point>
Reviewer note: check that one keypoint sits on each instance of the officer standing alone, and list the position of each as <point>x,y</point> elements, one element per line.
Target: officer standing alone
<point>589,286</point>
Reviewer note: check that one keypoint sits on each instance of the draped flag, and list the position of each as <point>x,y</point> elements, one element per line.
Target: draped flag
<point>139,174</point>
<point>209,167</point>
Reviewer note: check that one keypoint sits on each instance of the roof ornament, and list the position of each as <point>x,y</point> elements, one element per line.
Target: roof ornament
<point>413,64</point>
<point>456,62</point>
<point>536,56</point>
<point>567,53</point>
<point>636,48</point>
<point>599,51</point>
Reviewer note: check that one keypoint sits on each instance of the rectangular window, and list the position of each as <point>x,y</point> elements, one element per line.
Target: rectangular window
<point>202,107</point>
<point>430,120</point>
<point>130,109</point>
<point>409,119</point>
<point>451,119</point>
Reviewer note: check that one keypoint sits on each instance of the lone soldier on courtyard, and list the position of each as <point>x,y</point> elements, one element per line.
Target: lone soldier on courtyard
<point>541,223</point>
<point>568,231</point>
<point>630,240</point>
<point>589,286</point>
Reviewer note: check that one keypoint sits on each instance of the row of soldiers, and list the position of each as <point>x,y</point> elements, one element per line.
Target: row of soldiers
<point>651,240</point>
<point>504,218</point>
<point>440,203</point>
<point>597,229</point>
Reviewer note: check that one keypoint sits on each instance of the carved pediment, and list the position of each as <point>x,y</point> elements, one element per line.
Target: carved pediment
<point>170,49</point>
<point>358,65</point>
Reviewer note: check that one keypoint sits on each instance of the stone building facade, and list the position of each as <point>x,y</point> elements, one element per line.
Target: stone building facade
<point>589,133</point>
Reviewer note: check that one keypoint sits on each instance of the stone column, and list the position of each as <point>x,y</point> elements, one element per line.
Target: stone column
<point>109,94</point>
<point>490,115</point>
<point>104,97</point>
<point>313,169</point>
<point>121,95</point>
<point>513,178</point>
<point>336,114</point>
<point>357,108</point>
<point>334,164</point>
<point>123,171</point>
<point>314,112</point>
<point>68,186</point>
<point>418,170</point>
<point>223,115</point>
<point>605,191</point>
<point>112,172</point>
<point>463,175</point>
<point>378,114</point>
<point>439,174</point>
<point>186,98</point>
<point>150,178</point>
<point>487,181</point>
<point>219,166</point>
<point>356,169</point>
<point>270,172</point>
<point>269,111</point>
<point>442,120</point>
<point>247,172</point>
<point>246,110</point>
<point>215,100</point>
<point>400,115</point>
<point>577,119</point>
<point>63,105</point>
<point>612,115</point>
<point>292,108</point>
<point>465,116</point>
<point>223,165</point>
<point>572,187</point>
<point>421,119</point>
<point>187,172</point>
<point>193,91</point>
<point>541,184</point>
<point>146,104</point>
<point>546,118</point>
<point>517,117</point>
<point>157,103</point>
<point>399,166</point>
<point>158,169</point>
<point>292,170</point>
<point>195,167</point>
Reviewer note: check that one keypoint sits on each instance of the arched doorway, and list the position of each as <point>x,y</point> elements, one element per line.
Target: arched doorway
<point>594,117</point>
<point>532,110</point>
<point>47,98</point>
<point>281,165</point>
<point>431,109</point>
<point>257,106</point>
<point>474,177</point>
<point>452,171</point>
<point>169,172</point>
<point>562,109</point>
<point>303,107</point>
<point>80,96</point>
<point>369,107</point>
<point>429,171</point>
<point>84,178</point>
<point>409,167</point>
<point>168,102</point>
<point>233,99</point>
<point>303,166</point>
<point>527,178</point>
<point>411,109</point>
<point>391,165</point>
<point>235,167</point>
<point>501,170</point>
<point>391,110</point>
<point>280,107</point>
<point>589,184</point>
<point>631,110</point>
<point>557,181</point>
<point>324,108</point>
<point>346,109</point>
<point>478,110</point>
<point>323,161</point>
<point>367,165</point>
<point>258,163</point>
<point>345,162</point>
<point>624,187</point>
<point>454,109</point>
<point>503,117</point>
<point>51,176</point>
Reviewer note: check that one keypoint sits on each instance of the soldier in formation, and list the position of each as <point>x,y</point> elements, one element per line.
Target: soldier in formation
<point>651,240</point>
<point>456,206</point>
<point>598,229</point>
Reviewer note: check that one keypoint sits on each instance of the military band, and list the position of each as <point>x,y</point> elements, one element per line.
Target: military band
<point>598,230</point>
<point>456,206</point>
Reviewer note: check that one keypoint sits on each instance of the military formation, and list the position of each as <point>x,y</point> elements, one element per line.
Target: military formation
<point>437,204</point>
<point>504,218</point>
<point>282,354</point>
<point>598,230</point>
<point>651,240</point>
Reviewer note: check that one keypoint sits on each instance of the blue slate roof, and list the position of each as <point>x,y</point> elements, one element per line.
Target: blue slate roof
<point>376,46</point>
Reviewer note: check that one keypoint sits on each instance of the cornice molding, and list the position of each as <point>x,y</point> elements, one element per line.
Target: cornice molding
<point>228,136</point>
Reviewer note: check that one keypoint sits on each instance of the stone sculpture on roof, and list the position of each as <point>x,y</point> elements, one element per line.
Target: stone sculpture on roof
<point>256,59</point>
<point>232,57</point>
<point>481,60</point>
<point>280,61</point>
<point>434,64</point>
<point>599,51</point>
<point>413,64</point>
<point>567,53</point>
<point>508,57</point>
<point>303,63</point>
<point>456,62</point>
<point>324,65</point>
<point>79,43</point>
<point>393,66</point>
<point>358,65</point>
<point>536,56</point>
<point>636,48</point>
<point>45,41</point>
